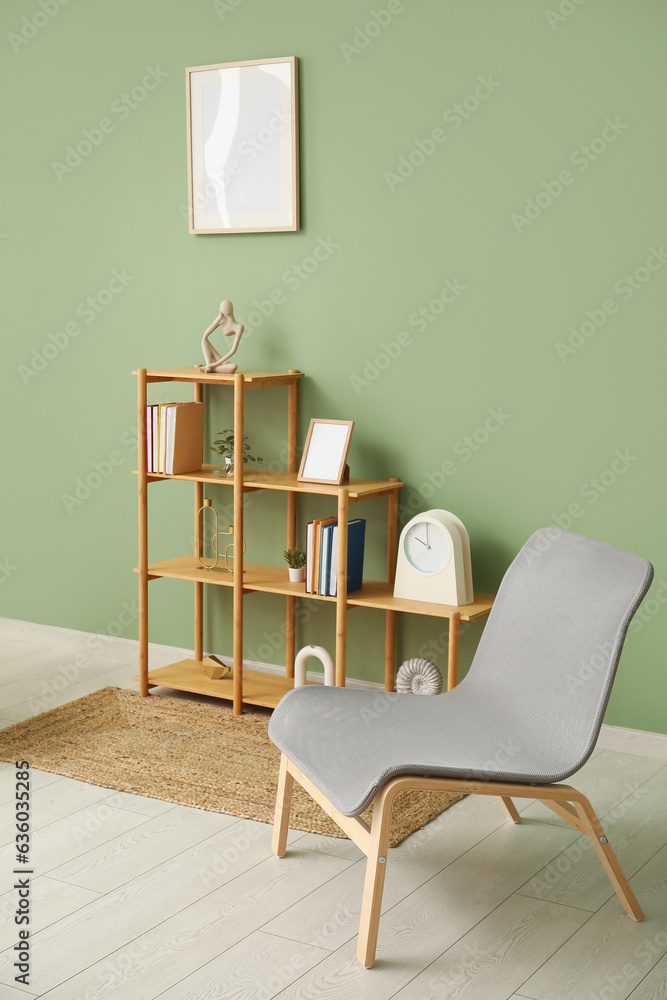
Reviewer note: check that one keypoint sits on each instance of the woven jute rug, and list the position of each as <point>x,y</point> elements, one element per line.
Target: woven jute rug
<point>183,752</point>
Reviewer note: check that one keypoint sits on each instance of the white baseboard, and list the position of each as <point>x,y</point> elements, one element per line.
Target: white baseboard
<point>12,628</point>
<point>632,741</point>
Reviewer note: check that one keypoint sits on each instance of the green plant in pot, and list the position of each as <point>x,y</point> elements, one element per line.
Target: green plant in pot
<point>224,447</point>
<point>296,564</point>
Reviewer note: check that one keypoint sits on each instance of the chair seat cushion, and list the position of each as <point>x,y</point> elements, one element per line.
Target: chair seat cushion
<point>349,742</point>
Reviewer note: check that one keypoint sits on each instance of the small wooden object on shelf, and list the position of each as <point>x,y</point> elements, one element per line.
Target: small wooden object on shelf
<point>248,686</point>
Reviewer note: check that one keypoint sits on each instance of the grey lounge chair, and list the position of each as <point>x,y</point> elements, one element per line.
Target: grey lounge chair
<point>527,714</point>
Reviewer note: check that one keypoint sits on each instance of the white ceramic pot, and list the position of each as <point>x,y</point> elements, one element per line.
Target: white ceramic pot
<point>296,575</point>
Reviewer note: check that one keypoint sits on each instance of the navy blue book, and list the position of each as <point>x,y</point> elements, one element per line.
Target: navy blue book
<point>356,538</point>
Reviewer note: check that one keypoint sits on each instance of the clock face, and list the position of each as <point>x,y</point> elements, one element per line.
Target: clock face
<point>427,547</point>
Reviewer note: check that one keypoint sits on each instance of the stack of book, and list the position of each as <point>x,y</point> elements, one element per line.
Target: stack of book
<point>322,555</point>
<point>174,438</point>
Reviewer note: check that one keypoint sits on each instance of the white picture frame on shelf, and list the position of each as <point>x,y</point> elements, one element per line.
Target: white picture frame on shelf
<point>325,452</point>
<point>243,147</point>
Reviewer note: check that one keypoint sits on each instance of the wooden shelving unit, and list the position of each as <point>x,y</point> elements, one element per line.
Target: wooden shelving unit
<point>248,686</point>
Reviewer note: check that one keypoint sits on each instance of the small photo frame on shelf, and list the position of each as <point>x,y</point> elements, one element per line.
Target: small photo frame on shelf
<point>325,452</point>
<point>243,147</point>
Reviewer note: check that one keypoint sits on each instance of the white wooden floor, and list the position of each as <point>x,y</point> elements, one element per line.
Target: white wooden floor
<point>135,899</point>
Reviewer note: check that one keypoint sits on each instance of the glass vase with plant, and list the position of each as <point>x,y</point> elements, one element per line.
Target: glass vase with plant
<point>224,447</point>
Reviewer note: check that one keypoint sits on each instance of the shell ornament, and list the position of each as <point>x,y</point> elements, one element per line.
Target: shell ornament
<point>418,676</point>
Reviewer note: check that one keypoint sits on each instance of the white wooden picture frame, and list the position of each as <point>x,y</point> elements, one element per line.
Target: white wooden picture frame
<point>325,451</point>
<point>243,147</point>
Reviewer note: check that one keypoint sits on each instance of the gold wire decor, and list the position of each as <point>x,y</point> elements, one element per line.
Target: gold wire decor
<point>199,534</point>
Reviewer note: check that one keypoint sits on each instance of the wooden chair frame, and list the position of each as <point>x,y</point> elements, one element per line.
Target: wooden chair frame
<point>373,840</point>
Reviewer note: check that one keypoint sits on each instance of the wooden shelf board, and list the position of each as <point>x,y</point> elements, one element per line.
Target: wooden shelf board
<point>251,379</point>
<point>266,579</point>
<point>378,594</point>
<point>262,479</point>
<point>189,675</point>
<point>275,580</point>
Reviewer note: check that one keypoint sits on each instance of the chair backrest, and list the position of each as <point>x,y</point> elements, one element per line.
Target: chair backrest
<point>549,652</point>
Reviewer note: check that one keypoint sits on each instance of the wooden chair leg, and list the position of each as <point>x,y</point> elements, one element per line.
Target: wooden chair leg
<point>283,804</point>
<point>376,867</point>
<point>510,810</point>
<point>593,830</point>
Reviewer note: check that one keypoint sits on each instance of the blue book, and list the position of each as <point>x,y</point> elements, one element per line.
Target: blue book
<point>356,537</point>
<point>325,559</point>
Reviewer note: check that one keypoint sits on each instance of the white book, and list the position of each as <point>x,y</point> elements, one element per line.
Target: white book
<point>149,439</point>
<point>309,556</point>
<point>156,412</point>
<point>169,440</point>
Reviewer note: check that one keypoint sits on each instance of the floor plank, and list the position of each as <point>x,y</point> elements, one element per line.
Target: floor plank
<point>654,986</point>
<point>497,955</point>
<point>419,928</point>
<point>38,779</point>
<point>636,829</point>
<point>258,967</point>
<point>330,916</point>
<point>54,801</point>
<point>611,950</point>
<point>128,856</point>
<point>51,901</point>
<point>75,835</point>
<point>10,993</point>
<point>188,938</point>
<point>139,803</point>
<point>606,780</point>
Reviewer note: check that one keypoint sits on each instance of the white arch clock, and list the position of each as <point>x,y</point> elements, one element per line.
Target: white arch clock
<point>434,560</point>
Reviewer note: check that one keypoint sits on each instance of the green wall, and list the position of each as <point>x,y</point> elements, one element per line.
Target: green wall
<point>402,222</point>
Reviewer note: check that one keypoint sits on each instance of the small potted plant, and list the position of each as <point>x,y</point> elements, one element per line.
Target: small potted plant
<point>224,447</point>
<point>296,565</point>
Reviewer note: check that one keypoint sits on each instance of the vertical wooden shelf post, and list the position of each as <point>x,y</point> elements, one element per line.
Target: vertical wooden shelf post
<point>341,587</point>
<point>292,414</point>
<point>238,543</point>
<point>453,651</point>
<point>142,478</point>
<point>390,622</point>
<point>199,542</point>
